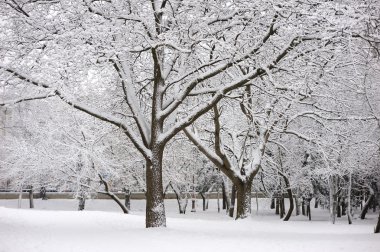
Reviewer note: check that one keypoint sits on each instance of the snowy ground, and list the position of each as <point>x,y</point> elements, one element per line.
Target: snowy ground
<point>102,227</point>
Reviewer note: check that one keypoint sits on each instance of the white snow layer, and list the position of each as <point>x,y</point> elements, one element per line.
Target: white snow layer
<point>54,231</point>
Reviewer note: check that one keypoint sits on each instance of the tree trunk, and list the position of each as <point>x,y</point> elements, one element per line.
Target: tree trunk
<point>155,208</point>
<point>282,206</point>
<point>193,210</point>
<point>338,208</point>
<point>82,202</point>
<point>316,203</point>
<point>290,195</point>
<point>43,193</point>
<point>207,194</point>
<point>377,228</point>
<point>31,199</point>
<point>332,195</point>
<point>218,200</point>
<point>127,200</point>
<point>19,198</point>
<point>125,208</point>
<point>272,203</point>
<point>297,203</point>
<point>233,198</point>
<point>181,205</point>
<point>308,208</point>
<point>367,204</point>
<point>203,201</point>
<point>243,200</point>
<point>303,207</point>
<point>349,216</point>
<point>277,206</point>
<point>257,202</point>
<point>344,207</point>
<point>226,202</point>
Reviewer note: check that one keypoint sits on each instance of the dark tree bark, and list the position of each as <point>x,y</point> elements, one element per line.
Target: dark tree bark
<point>367,204</point>
<point>82,202</point>
<point>224,197</point>
<point>218,200</point>
<point>374,204</point>
<point>207,199</point>
<point>297,203</point>
<point>303,207</point>
<point>282,207</point>
<point>233,198</point>
<point>272,203</point>
<point>277,206</point>
<point>127,200</point>
<point>308,208</point>
<point>113,196</point>
<point>316,203</point>
<point>43,193</point>
<point>290,195</point>
<point>155,208</point>
<point>226,202</point>
<point>338,208</point>
<point>243,201</point>
<point>349,216</point>
<point>377,228</point>
<point>193,205</point>
<point>203,201</point>
<point>179,196</point>
<point>344,207</point>
<point>31,199</point>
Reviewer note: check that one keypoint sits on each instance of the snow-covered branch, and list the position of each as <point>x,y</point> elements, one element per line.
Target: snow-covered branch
<point>91,111</point>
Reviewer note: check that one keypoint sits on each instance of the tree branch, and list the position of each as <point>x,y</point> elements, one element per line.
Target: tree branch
<point>93,112</point>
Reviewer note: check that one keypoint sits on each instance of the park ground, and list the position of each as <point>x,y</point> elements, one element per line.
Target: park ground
<point>55,226</point>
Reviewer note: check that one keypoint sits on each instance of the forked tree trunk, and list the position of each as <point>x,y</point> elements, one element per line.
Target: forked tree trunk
<point>290,195</point>
<point>182,205</point>
<point>155,208</point>
<point>182,201</point>
<point>367,204</point>
<point>113,196</point>
<point>125,208</point>
<point>243,200</point>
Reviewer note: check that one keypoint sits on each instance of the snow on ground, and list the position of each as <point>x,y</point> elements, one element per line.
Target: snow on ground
<point>102,227</point>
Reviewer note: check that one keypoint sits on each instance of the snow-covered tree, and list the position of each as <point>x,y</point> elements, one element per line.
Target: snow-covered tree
<point>152,68</point>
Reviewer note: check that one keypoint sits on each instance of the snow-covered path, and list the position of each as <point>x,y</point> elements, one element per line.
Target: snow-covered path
<point>54,231</point>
